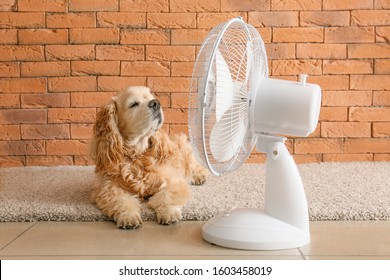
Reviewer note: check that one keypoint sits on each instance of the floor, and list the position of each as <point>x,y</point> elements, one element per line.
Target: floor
<point>101,240</point>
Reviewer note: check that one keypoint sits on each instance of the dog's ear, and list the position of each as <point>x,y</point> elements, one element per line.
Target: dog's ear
<point>107,147</point>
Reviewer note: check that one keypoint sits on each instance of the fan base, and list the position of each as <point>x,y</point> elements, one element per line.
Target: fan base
<point>253,229</point>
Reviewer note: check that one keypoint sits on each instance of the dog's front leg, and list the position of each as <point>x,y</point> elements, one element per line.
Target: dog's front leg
<point>121,206</point>
<point>169,200</point>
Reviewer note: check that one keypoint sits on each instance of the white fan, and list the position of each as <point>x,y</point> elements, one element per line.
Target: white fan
<point>233,106</point>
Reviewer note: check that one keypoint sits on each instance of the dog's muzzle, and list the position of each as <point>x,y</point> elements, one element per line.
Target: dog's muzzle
<point>155,106</point>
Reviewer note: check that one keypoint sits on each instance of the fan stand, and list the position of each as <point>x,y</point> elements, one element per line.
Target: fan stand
<point>284,221</point>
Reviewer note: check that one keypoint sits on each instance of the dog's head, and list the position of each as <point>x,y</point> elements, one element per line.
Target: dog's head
<point>126,122</point>
<point>139,114</point>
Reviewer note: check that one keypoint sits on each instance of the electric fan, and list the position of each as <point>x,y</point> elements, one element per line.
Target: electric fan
<point>234,106</point>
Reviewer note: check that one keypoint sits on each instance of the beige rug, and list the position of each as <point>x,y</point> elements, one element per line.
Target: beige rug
<point>335,191</point>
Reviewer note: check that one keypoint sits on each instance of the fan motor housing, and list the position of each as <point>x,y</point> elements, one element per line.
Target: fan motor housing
<point>285,107</point>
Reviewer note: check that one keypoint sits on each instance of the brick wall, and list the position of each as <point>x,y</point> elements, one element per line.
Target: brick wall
<point>62,59</point>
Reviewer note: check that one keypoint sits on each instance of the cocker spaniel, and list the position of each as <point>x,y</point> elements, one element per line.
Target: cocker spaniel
<point>137,161</point>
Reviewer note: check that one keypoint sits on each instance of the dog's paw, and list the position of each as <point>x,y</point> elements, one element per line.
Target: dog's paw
<point>168,215</point>
<point>128,220</point>
<point>199,176</point>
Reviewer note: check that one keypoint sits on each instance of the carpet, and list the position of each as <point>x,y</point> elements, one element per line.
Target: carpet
<point>335,191</point>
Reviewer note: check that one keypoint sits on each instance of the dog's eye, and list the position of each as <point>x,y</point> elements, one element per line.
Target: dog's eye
<point>133,104</point>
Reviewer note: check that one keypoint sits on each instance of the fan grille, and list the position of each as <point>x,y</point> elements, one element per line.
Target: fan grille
<point>231,59</point>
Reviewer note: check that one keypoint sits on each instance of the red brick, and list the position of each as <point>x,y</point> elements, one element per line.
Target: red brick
<point>113,83</point>
<point>295,5</point>
<point>12,161</point>
<point>90,99</point>
<point>9,100</point>
<point>381,98</point>
<point>331,82</point>
<point>43,36</point>
<point>370,82</point>
<point>46,131</point>
<point>175,116</point>
<point>382,66</point>
<point>273,19</point>
<point>382,34</point>
<point>169,84</point>
<point>70,52</point>
<point>318,146</point>
<point>376,114</point>
<point>20,116</point>
<point>379,50</point>
<point>349,34</point>
<point>188,36</point>
<point>345,129</point>
<point>370,17</point>
<point>23,53</point>
<point>22,20</point>
<point>121,19</point>
<point>145,6</point>
<point>182,69</point>
<point>80,83</point>
<point>8,5</point>
<point>48,160</point>
<point>95,68</point>
<point>9,69</point>
<point>145,68</point>
<point>42,5</point>
<point>172,53</point>
<point>145,36</point>
<point>244,5</point>
<point>339,18</point>
<point>94,36</point>
<point>8,36</point>
<point>363,146</point>
<point>171,20</point>
<point>312,158</point>
<point>382,4</point>
<point>114,52</point>
<point>280,51</point>
<point>178,129</point>
<point>347,98</point>
<point>45,100</point>
<point>194,6</point>
<point>347,4</point>
<point>381,157</point>
<point>209,20</point>
<point>21,148</point>
<point>381,129</point>
<point>324,51</point>
<point>83,160</point>
<point>23,85</point>
<point>71,115</point>
<point>67,147</point>
<point>347,157</point>
<point>179,100</point>
<point>9,132</point>
<point>70,20</point>
<point>334,114</point>
<point>347,67</point>
<point>45,69</point>
<point>81,131</point>
<point>93,5</point>
<point>298,35</point>
<point>164,98</point>
<point>295,67</point>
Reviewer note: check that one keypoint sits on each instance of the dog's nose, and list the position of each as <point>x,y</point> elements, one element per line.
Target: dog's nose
<point>154,103</point>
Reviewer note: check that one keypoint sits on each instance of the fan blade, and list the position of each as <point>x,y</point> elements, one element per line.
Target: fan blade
<point>224,86</point>
<point>226,136</point>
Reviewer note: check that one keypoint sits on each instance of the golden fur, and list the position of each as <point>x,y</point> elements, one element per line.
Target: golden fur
<point>137,161</point>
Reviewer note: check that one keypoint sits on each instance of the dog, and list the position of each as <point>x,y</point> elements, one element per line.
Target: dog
<point>137,161</point>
